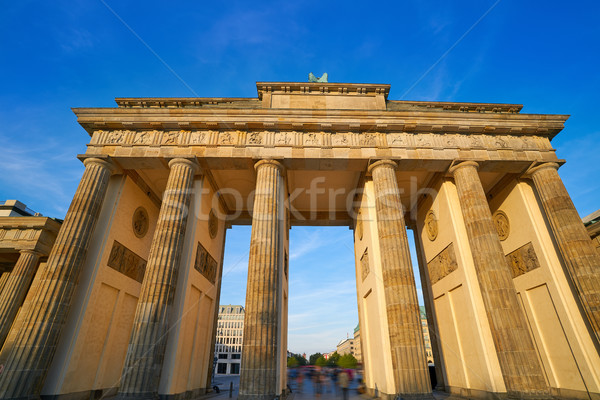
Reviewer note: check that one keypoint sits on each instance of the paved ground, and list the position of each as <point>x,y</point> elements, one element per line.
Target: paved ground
<point>306,392</point>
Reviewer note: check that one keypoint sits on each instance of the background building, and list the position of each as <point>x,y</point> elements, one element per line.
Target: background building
<point>357,346</point>
<point>346,346</point>
<point>426,337</point>
<point>14,208</point>
<point>357,350</point>
<point>230,333</point>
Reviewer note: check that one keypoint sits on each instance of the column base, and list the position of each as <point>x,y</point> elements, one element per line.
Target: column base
<point>457,393</point>
<point>386,396</point>
<point>137,396</point>
<point>263,396</point>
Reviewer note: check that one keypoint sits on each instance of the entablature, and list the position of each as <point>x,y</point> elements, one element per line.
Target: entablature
<point>440,122</point>
<point>28,233</point>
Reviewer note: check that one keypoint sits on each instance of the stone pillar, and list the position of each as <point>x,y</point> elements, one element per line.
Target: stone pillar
<point>3,280</point>
<point>43,318</point>
<point>521,369</point>
<point>429,309</point>
<point>581,259</point>
<point>260,352</point>
<point>16,288</point>
<point>409,360</point>
<point>143,364</point>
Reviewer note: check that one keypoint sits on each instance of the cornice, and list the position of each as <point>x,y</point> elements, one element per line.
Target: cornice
<point>360,89</point>
<point>320,120</point>
<point>44,223</point>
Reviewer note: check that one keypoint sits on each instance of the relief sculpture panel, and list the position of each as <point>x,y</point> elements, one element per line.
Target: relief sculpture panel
<point>522,260</point>
<point>364,265</point>
<point>126,262</point>
<point>206,264</point>
<point>443,264</point>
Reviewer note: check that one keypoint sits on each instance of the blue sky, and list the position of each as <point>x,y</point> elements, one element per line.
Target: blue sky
<point>62,54</point>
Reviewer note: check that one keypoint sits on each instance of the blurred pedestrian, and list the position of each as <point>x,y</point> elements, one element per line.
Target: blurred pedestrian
<point>299,382</point>
<point>318,385</point>
<point>344,380</point>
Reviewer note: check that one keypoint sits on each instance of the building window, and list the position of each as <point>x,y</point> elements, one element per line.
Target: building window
<point>221,368</point>
<point>236,356</point>
<point>222,356</point>
<point>234,369</point>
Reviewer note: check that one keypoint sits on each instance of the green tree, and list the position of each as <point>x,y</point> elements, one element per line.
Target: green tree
<point>301,360</point>
<point>313,358</point>
<point>333,359</point>
<point>321,362</point>
<point>347,361</point>
<point>292,362</point>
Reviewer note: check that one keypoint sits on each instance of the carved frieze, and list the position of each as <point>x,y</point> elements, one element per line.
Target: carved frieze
<point>143,138</point>
<point>364,265</point>
<point>312,139</point>
<point>205,264</point>
<point>522,260</point>
<point>171,138</point>
<point>368,140</point>
<point>199,138</point>
<point>340,139</point>
<point>228,138</point>
<point>443,264</point>
<point>125,261</point>
<point>438,139</point>
<point>255,138</point>
<point>284,139</point>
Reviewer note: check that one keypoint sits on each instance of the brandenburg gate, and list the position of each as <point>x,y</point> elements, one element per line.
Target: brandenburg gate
<point>126,303</point>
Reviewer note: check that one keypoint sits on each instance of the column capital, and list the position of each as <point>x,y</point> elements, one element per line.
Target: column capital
<point>275,163</point>
<point>190,162</point>
<point>455,167</point>
<point>537,168</point>
<point>32,252</point>
<point>104,162</point>
<point>382,163</point>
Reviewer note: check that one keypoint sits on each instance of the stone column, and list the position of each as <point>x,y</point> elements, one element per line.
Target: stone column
<point>581,259</point>
<point>409,360</point>
<point>16,288</point>
<point>258,379</point>
<point>3,279</point>
<point>44,317</point>
<point>521,369</point>
<point>429,309</point>
<point>143,364</point>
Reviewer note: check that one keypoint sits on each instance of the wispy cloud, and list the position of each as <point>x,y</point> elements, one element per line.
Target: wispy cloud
<point>44,173</point>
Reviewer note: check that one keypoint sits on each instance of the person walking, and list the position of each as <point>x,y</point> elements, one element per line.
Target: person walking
<point>299,381</point>
<point>344,381</point>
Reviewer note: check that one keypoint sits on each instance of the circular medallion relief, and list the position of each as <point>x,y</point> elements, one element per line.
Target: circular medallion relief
<point>213,224</point>
<point>502,225</point>
<point>431,225</point>
<point>139,222</point>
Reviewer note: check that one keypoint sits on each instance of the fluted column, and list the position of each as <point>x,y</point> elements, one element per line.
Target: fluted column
<point>16,288</point>
<point>3,279</point>
<point>143,364</point>
<point>409,360</point>
<point>578,251</point>
<point>44,317</point>
<point>429,309</point>
<point>521,369</point>
<point>258,378</point>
